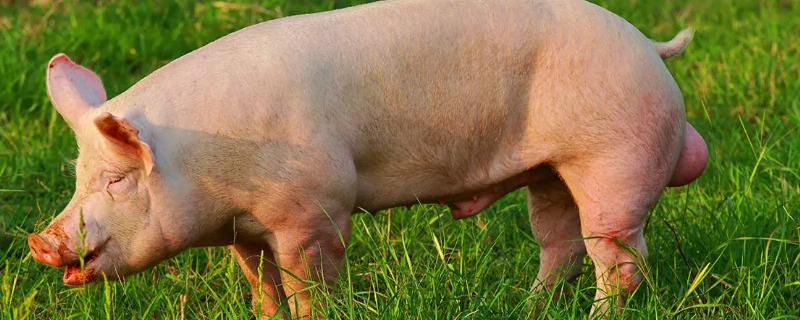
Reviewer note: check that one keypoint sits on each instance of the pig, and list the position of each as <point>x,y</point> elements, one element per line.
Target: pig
<point>267,140</point>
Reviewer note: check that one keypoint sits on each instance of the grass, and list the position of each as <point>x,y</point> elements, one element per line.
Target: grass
<point>725,247</point>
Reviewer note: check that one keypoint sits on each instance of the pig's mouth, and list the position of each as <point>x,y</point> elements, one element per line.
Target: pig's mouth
<point>74,275</point>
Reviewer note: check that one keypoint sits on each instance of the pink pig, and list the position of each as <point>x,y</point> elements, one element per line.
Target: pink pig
<point>268,139</point>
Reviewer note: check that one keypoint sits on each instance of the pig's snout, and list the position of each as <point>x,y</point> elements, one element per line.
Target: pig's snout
<point>693,158</point>
<point>49,249</point>
<point>52,248</point>
<point>45,251</point>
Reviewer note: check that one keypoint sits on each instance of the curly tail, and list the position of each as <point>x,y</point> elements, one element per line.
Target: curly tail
<point>675,46</point>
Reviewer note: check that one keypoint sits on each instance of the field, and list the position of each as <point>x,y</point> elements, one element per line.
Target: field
<point>724,247</point>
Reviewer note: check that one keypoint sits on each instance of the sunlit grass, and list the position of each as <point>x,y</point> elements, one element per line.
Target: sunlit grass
<point>725,247</point>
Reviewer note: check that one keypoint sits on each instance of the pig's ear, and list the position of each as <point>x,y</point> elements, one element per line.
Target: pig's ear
<point>73,89</point>
<point>125,140</point>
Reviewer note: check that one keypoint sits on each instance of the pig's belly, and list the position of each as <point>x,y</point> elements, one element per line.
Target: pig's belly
<point>473,202</point>
<point>469,201</point>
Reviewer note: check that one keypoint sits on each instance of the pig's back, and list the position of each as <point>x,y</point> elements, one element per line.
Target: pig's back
<point>430,95</point>
<point>425,93</point>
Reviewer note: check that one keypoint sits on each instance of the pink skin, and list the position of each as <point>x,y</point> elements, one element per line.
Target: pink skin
<point>693,159</point>
<point>268,139</point>
<point>86,88</point>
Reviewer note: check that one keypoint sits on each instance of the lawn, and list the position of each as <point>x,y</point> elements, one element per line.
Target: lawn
<point>724,247</point>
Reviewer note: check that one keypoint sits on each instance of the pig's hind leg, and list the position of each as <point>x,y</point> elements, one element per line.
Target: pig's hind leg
<point>614,192</point>
<point>557,228</point>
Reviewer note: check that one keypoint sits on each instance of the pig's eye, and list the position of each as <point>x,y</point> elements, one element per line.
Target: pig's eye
<point>118,185</point>
<point>114,180</point>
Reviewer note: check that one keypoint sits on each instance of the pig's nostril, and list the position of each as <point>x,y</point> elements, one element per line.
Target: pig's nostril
<point>42,251</point>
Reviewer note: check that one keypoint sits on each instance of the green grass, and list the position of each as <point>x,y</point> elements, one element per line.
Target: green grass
<point>725,247</point>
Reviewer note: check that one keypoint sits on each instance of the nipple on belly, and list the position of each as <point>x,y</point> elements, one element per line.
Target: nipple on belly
<point>472,206</point>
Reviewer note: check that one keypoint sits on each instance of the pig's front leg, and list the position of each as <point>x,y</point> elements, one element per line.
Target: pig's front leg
<point>267,292</point>
<point>308,256</point>
<point>308,232</point>
<point>308,222</point>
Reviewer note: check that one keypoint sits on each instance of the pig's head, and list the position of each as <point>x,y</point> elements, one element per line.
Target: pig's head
<point>111,225</point>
